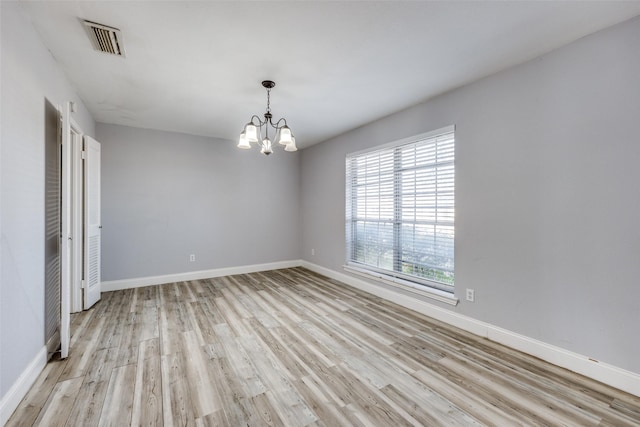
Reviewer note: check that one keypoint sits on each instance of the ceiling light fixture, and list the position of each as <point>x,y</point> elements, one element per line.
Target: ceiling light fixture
<point>252,131</point>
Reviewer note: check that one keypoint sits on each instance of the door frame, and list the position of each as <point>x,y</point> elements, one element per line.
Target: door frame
<point>65,232</point>
<point>71,204</point>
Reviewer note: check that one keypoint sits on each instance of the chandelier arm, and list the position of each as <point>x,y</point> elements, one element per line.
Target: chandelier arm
<point>278,125</point>
<point>260,122</point>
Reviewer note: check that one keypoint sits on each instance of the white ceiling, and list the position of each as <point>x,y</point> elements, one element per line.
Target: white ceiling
<point>196,67</point>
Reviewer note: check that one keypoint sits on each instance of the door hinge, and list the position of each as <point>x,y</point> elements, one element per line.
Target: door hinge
<point>84,284</point>
<point>83,153</point>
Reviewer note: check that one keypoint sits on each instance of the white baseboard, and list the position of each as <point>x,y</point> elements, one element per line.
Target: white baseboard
<point>19,389</point>
<point>603,372</point>
<point>138,282</point>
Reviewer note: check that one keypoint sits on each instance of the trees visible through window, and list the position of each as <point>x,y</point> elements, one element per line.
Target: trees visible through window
<point>400,209</point>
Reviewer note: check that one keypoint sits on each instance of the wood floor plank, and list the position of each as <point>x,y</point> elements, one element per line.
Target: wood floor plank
<point>79,323</point>
<point>83,352</point>
<point>195,322</point>
<point>177,408</point>
<point>573,400</point>
<point>232,395</point>
<point>525,402</point>
<point>293,348</point>
<point>266,413</point>
<point>147,395</point>
<point>253,303</point>
<point>232,317</point>
<point>487,412</point>
<point>325,407</point>
<point>118,402</point>
<point>422,415</point>
<point>240,362</point>
<point>55,411</point>
<point>87,410</point>
<point>30,407</point>
<point>215,419</point>
<point>174,320</point>
<point>278,382</point>
<point>204,396</point>
<point>204,322</point>
<point>275,346</point>
<point>114,328</point>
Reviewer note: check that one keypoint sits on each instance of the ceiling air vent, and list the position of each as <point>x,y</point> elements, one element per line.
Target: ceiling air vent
<point>105,39</point>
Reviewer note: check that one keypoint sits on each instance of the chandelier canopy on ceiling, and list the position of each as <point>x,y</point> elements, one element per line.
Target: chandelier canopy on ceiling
<point>253,131</point>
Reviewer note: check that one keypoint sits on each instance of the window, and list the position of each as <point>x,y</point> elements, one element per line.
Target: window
<point>400,210</point>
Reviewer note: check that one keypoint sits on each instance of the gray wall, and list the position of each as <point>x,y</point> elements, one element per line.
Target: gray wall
<point>29,77</point>
<point>168,195</point>
<point>547,194</point>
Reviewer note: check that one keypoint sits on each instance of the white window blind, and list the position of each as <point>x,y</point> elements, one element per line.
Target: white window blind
<point>400,205</point>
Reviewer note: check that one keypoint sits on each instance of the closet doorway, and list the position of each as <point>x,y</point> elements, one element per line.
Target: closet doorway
<point>80,223</point>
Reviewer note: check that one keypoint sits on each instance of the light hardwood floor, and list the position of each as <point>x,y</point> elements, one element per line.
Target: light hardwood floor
<point>289,347</point>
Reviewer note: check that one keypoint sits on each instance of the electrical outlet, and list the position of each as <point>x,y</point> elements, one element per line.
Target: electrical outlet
<point>192,258</point>
<point>313,252</point>
<point>471,295</point>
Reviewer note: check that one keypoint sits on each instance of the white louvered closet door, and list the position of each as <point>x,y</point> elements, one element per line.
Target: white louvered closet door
<point>92,222</point>
<point>52,229</point>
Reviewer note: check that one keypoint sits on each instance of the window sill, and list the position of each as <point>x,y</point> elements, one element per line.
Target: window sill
<point>405,285</point>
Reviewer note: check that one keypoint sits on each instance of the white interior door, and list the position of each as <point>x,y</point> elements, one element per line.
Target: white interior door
<point>92,222</point>
<point>77,217</point>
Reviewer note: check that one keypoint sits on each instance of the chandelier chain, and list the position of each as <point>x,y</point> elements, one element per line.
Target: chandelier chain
<point>268,100</point>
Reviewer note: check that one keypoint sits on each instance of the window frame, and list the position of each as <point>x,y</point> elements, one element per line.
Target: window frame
<point>413,283</point>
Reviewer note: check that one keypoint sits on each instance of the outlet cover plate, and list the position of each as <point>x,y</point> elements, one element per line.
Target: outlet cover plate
<point>471,295</point>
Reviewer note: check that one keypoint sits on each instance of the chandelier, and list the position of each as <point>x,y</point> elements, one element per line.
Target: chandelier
<point>253,131</point>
